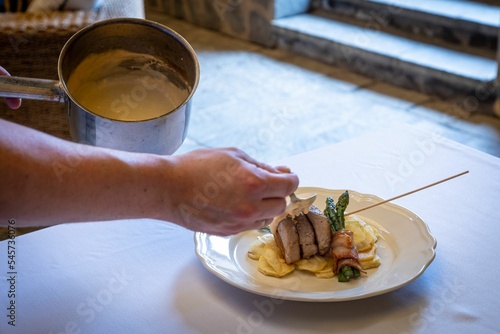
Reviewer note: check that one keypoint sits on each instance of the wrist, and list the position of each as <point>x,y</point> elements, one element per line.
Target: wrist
<point>158,186</point>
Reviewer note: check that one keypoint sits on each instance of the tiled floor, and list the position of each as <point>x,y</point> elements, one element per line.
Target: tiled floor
<point>273,104</point>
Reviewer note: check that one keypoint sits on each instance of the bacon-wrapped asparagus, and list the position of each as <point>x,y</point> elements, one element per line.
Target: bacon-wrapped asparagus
<point>343,250</point>
<point>345,255</point>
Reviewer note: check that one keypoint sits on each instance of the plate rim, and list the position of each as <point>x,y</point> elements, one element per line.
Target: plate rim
<point>198,236</point>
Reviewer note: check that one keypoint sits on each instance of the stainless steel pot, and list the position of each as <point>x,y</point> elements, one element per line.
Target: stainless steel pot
<point>160,135</point>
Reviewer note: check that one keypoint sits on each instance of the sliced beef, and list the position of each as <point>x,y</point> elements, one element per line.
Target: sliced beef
<point>321,228</point>
<point>307,237</point>
<point>287,239</point>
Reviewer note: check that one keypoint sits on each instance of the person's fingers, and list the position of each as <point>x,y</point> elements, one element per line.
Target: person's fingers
<point>270,208</point>
<point>280,185</point>
<point>261,223</point>
<point>283,169</point>
<point>3,71</point>
<point>13,103</point>
<point>245,157</point>
<point>273,169</point>
<point>280,182</point>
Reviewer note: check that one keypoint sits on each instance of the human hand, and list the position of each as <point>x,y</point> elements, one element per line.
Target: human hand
<point>224,191</point>
<point>13,103</point>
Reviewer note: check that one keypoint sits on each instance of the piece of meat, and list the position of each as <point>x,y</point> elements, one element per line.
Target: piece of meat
<point>287,240</point>
<point>321,228</point>
<point>343,251</point>
<point>307,237</point>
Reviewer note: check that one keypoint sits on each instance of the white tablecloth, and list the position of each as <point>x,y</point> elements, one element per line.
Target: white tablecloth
<point>142,276</point>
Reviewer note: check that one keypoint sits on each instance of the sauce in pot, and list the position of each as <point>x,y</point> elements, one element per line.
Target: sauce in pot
<point>127,86</point>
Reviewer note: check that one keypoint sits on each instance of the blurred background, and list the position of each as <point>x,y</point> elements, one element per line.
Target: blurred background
<point>281,77</point>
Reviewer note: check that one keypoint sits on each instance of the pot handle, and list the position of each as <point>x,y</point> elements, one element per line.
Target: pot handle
<point>32,89</point>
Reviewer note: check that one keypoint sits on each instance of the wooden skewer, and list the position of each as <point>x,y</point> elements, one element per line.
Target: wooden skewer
<point>408,193</point>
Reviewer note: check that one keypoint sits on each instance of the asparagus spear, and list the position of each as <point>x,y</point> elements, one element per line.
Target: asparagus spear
<point>346,272</point>
<point>335,215</point>
<point>342,204</point>
<point>331,213</point>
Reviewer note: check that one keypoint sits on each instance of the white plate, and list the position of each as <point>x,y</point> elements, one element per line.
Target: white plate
<point>406,248</point>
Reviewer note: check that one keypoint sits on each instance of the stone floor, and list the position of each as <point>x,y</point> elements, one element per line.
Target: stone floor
<point>273,104</point>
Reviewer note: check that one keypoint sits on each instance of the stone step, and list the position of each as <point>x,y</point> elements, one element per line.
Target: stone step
<point>470,23</point>
<point>489,2</point>
<point>402,61</point>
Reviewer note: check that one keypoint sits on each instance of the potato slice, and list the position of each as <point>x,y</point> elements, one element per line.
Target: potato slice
<point>257,247</point>
<point>374,263</point>
<point>364,238</point>
<point>368,255</point>
<point>327,271</point>
<point>271,264</point>
<point>313,264</point>
<point>374,231</point>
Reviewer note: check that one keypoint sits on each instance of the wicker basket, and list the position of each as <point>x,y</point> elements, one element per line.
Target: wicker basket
<point>30,45</point>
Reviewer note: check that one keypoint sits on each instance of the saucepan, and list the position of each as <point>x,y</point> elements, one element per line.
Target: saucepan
<point>127,84</point>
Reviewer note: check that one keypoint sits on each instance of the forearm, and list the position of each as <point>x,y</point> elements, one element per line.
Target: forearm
<point>47,181</point>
